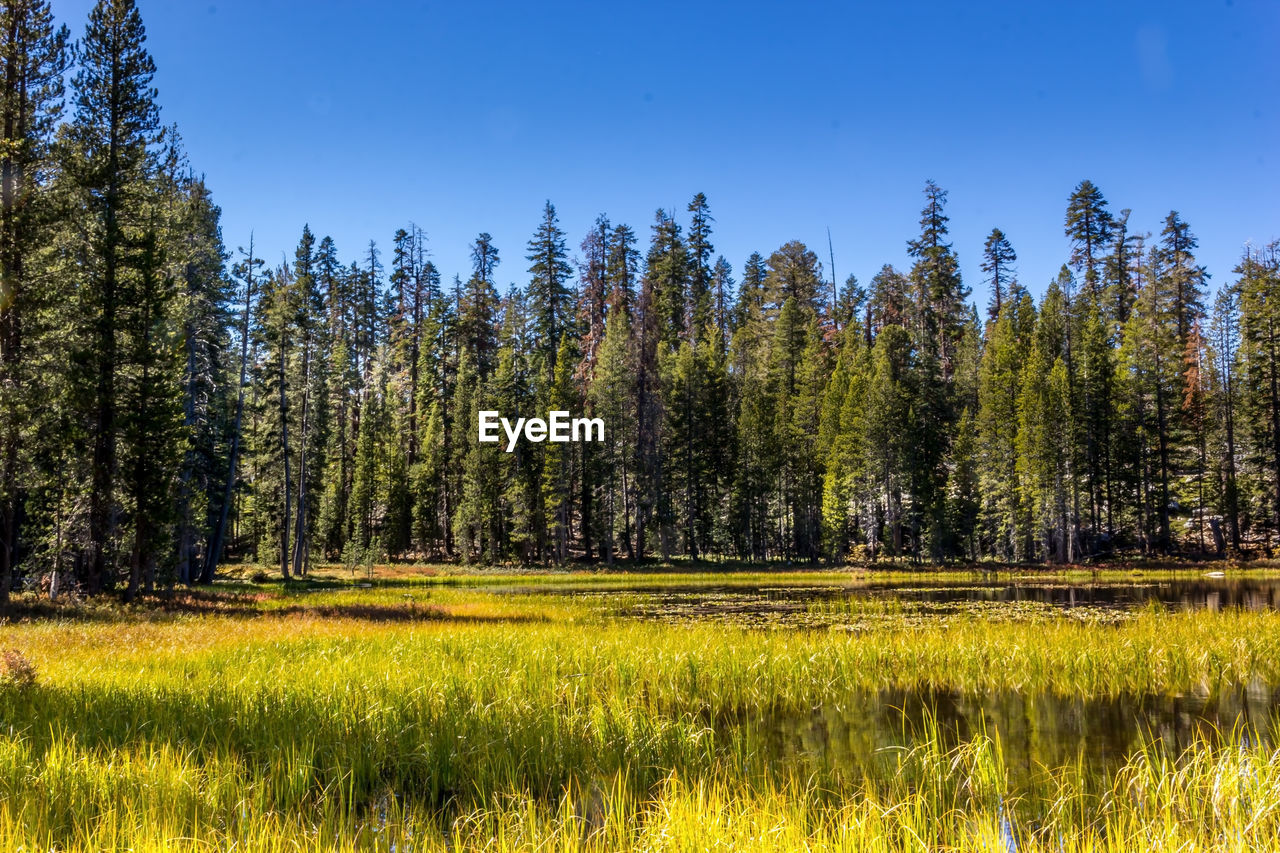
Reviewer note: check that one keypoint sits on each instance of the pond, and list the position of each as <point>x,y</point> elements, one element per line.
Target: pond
<point>821,605</point>
<point>1038,732</point>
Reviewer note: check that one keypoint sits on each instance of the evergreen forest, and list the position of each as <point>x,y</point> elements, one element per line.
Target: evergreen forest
<point>168,404</point>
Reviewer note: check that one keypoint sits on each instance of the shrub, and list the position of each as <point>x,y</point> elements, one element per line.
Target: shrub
<point>16,671</point>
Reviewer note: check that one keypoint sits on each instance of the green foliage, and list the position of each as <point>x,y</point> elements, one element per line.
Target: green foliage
<point>161,414</point>
<point>1089,226</point>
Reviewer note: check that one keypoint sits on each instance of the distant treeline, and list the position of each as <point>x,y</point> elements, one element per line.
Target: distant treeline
<point>160,412</point>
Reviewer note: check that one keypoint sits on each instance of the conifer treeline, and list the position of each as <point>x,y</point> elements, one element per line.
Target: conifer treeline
<point>162,411</point>
<point>113,325</point>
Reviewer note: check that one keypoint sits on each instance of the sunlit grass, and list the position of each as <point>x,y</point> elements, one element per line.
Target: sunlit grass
<point>1212,796</point>
<point>448,717</point>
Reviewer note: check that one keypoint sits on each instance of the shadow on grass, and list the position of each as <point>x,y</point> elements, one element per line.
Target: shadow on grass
<point>401,613</point>
<point>167,606</point>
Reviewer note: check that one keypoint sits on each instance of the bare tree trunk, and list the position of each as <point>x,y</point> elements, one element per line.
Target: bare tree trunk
<point>1163,441</point>
<point>288,482</point>
<point>1275,416</point>
<point>135,562</point>
<point>299,537</point>
<point>10,318</point>
<point>214,554</point>
<point>1233,506</point>
<point>186,534</point>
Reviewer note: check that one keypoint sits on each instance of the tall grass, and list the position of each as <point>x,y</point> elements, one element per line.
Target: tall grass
<point>1213,796</point>
<point>472,721</point>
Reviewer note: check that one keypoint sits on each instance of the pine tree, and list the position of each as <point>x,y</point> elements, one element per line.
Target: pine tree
<point>888,433</point>
<point>1120,267</point>
<point>1195,417</point>
<point>1005,524</point>
<point>550,300</point>
<point>514,388</point>
<point>425,288</point>
<point>557,469</point>
<point>667,276</point>
<point>277,315</point>
<point>197,261</point>
<point>659,320</point>
<point>612,399</point>
<point>366,509</point>
<point>802,469</point>
<point>1259,272</point>
<point>1150,366</point>
<point>1044,448</point>
<point>702,303</point>
<point>246,271</point>
<point>622,265</point>
<point>939,318</point>
<point>794,273</point>
<point>594,298</point>
<point>889,303</point>
<point>429,474</point>
<point>722,285</point>
<point>839,448</point>
<point>1224,346</point>
<point>344,385</point>
<point>308,303</point>
<point>696,406</point>
<point>850,306</point>
<point>1089,226</point>
<point>33,54</point>
<point>477,307</point>
<point>962,498</point>
<point>998,259</point>
<point>1093,389</point>
<point>115,128</point>
<point>476,522</point>
<point>151,414</point>
<point>1186,278</point>
<point>594,295</point>
<point>939,292</point>
<point>751,292</point>
<point>752,407</point>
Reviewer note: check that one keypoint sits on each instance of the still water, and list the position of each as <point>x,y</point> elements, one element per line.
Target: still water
<point>799,605</point>
<point>1037,731</point>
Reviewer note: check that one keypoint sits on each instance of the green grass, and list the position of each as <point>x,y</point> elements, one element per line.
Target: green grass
<point>266,718</point>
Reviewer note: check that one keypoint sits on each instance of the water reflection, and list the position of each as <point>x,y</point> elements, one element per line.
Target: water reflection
<point>793,604</point>
<point>1038,732</point>
<point>1206,593</point>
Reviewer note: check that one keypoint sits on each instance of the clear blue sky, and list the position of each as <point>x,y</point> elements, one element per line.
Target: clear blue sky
<point>464,117</point>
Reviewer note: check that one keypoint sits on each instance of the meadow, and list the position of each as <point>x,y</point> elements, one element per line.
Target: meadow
<point>429,711</point>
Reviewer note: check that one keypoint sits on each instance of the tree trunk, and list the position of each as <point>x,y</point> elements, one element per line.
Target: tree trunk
<point>300,531</point>
<point>1163,442</point>
<point>1275,415</point>
<point>214,554</point>
<point>284,446</point>
<point>15,127</point>
<point>1232,498</point>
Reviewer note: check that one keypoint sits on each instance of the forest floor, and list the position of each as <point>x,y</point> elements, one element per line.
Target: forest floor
<point>428,708</point>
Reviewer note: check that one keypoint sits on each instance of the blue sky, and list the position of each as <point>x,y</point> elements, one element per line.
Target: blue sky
<point>792,117</point>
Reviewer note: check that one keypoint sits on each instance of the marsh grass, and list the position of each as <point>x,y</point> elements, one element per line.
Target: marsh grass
<point>459,718</point>
<point>1216,795</point>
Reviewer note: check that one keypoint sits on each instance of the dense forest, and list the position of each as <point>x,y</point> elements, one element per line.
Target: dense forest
<point>165,405</point>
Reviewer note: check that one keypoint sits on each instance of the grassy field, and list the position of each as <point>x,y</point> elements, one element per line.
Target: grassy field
<point>432,712</point>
